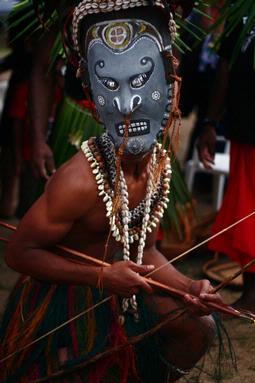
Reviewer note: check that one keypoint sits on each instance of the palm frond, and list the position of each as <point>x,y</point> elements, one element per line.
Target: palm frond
<point>232,15</point>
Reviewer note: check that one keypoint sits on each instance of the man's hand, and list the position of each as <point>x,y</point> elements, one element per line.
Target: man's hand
<point>42,163</point>
<point>200,291</point>
<point>122,278</point>
<point>206,146</point>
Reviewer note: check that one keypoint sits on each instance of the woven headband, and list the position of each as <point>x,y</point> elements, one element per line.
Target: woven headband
<point>88,7</point>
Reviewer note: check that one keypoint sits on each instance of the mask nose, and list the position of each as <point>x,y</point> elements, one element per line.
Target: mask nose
<point>127,105</point>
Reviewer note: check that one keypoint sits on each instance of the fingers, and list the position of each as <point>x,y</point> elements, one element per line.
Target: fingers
<point>195,306</point>
<point>200,297</point>
<point>123,278</point>
<point>42,163</point>
<point>141,269</point>
<point>39,169</point>
<point>50,164</point>
<point>215,298</point>
<point>146,287</point>
<point>205,287</point>
<point>207,158</point>
<point>43,168</point>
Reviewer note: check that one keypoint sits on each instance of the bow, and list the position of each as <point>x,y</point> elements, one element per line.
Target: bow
<point>247,316</point>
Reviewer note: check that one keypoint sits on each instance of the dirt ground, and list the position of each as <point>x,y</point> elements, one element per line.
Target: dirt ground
<point>241,334</point>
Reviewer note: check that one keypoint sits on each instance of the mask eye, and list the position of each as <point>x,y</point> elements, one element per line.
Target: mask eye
<point>110,83</point>
<point>139,80</point>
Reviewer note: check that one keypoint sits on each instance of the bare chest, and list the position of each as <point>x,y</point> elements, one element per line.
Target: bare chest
<point>92,234</point>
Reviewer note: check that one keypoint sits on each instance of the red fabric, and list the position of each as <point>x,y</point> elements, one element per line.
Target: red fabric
<point>86,104</point>
<point>18,111</point>
<point>239,242</point>
<point>18,104</point>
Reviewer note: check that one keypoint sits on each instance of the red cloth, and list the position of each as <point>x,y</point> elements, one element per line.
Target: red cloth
<point>18,110</point>
<point>19,101</point>
<point>86,104</point>
<point>239,242</point>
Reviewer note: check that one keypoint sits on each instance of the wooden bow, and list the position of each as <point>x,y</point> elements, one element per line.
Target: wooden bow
<point>222,308</point>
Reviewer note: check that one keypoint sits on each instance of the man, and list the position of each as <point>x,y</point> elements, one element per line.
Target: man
<point>234,91</point>
<point>121,178</point>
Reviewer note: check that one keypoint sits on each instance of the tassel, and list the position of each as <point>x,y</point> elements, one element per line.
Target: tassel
<point>20,333</point>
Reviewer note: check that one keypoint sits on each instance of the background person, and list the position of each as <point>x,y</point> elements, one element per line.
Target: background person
<point>234,96</point>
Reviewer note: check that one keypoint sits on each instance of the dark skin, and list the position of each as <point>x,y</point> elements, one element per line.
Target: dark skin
<point>71,213</point>
<point>42,82</point>
<point>207,139</point>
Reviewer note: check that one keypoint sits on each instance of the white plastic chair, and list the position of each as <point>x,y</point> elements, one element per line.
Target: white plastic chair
<point>220,171</point>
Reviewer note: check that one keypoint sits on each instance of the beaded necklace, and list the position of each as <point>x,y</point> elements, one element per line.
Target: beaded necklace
<point>128,226</point>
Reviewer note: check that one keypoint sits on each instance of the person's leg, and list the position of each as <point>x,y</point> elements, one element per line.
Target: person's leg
<point>184,339</point>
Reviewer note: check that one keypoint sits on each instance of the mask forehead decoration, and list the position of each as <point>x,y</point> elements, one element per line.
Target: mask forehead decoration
<point>119,35</point>
<point>127,76</point>
<point>94,7</point>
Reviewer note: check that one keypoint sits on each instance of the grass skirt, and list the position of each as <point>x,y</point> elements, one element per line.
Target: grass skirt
<point>34,309</point>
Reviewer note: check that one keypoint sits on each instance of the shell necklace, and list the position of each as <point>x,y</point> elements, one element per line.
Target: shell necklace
<point>125,226</point>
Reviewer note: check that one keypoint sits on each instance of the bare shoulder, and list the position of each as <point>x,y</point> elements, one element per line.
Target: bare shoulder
<point>72,187</point>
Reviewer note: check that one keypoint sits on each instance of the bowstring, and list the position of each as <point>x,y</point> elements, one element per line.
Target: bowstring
<point>200,244</point>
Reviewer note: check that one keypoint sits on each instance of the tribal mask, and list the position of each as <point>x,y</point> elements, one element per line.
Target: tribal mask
<point>128,80</point>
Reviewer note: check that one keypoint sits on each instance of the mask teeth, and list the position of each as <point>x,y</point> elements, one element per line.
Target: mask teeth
<point>139,127</point>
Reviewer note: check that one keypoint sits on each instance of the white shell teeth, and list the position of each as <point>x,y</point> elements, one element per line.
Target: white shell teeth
<point>134,127</point>
<point>105,199</point>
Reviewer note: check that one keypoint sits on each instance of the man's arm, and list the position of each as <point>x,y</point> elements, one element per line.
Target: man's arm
<point>207,139</point>
<point>45,225</point>
<point>170,276</point>
<point>70,194</point>
<point>42,84</point>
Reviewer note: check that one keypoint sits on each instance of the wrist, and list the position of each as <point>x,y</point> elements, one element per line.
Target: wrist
<point>39,135</point>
